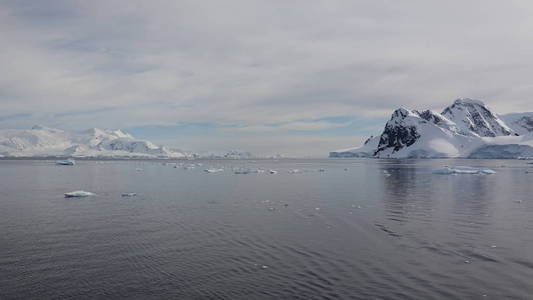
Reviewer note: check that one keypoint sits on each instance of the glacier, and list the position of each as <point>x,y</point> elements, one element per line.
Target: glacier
<point>465,129</point>
<point>40,141</point>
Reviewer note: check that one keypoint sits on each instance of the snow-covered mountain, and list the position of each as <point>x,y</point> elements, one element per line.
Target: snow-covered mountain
<point>40,141</point>
<point>467,128</point>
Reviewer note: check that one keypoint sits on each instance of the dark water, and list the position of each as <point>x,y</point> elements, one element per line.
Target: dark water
<point>355,234</point>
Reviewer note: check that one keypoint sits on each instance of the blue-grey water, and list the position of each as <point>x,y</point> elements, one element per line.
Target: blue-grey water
<point>362,229</point>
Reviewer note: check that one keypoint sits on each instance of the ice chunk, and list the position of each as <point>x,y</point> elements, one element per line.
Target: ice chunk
<point>213,170</point>
<point>68,162</point>
<point>467,170</point>
<point>78,194</point>
<point>463,170</point>
<point>129,194</point>
<point>294,171</point>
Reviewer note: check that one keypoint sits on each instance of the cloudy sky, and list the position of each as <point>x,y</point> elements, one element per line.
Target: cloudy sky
<point>289,76</point>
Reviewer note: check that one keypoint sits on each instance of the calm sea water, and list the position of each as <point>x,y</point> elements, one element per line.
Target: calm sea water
<point>379,229</point>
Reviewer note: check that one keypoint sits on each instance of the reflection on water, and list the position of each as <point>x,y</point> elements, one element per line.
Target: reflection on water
<point>382,229</point>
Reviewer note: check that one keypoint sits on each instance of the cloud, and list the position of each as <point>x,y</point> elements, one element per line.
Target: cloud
<point>292,126</point>
<point>252,63</point>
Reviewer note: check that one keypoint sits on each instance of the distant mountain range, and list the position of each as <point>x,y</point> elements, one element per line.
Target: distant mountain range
<point>465,129</point>
<point>40,141</point>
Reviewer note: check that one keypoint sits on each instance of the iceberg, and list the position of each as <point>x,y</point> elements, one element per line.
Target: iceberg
<point>68,162</point>
<point>78,194</point>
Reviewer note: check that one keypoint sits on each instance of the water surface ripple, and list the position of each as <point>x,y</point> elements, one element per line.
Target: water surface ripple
<point>361,229</point>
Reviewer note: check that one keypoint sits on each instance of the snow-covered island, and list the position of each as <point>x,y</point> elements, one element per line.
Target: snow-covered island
<point>40,141</point>
<point>465,129</point>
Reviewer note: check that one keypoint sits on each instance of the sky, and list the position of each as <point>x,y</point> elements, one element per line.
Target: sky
<point>294,77</point>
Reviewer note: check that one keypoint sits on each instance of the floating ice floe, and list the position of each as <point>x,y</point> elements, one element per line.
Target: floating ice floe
<point>463,170</point>
<point>248,171</point>
<point>294,171</point>
<point>78,194</point>
<point>213,170</point>
<point>68,162</point>
<point>129,194</point>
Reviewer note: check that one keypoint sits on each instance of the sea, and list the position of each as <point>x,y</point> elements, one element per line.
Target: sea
<point>280,229</point>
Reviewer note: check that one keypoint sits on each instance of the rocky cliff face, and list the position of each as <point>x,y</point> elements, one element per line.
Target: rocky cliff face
<point>400,131</point>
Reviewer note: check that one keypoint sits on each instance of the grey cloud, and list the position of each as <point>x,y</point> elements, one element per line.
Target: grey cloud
<point>259,62</point>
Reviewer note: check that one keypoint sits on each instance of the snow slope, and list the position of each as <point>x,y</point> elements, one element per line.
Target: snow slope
<point>521,123</point>
<point>467,128</point>
<point>41,141</point>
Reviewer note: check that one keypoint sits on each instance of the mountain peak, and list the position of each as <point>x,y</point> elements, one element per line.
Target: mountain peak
<point>468,101</point>
<point>474,118</point>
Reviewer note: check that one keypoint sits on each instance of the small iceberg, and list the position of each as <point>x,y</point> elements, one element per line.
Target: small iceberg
<point>129,194</point>
<point>78,194</point>
<point>463,170</point>
<point>213,170</point>
<point>68,162</point>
